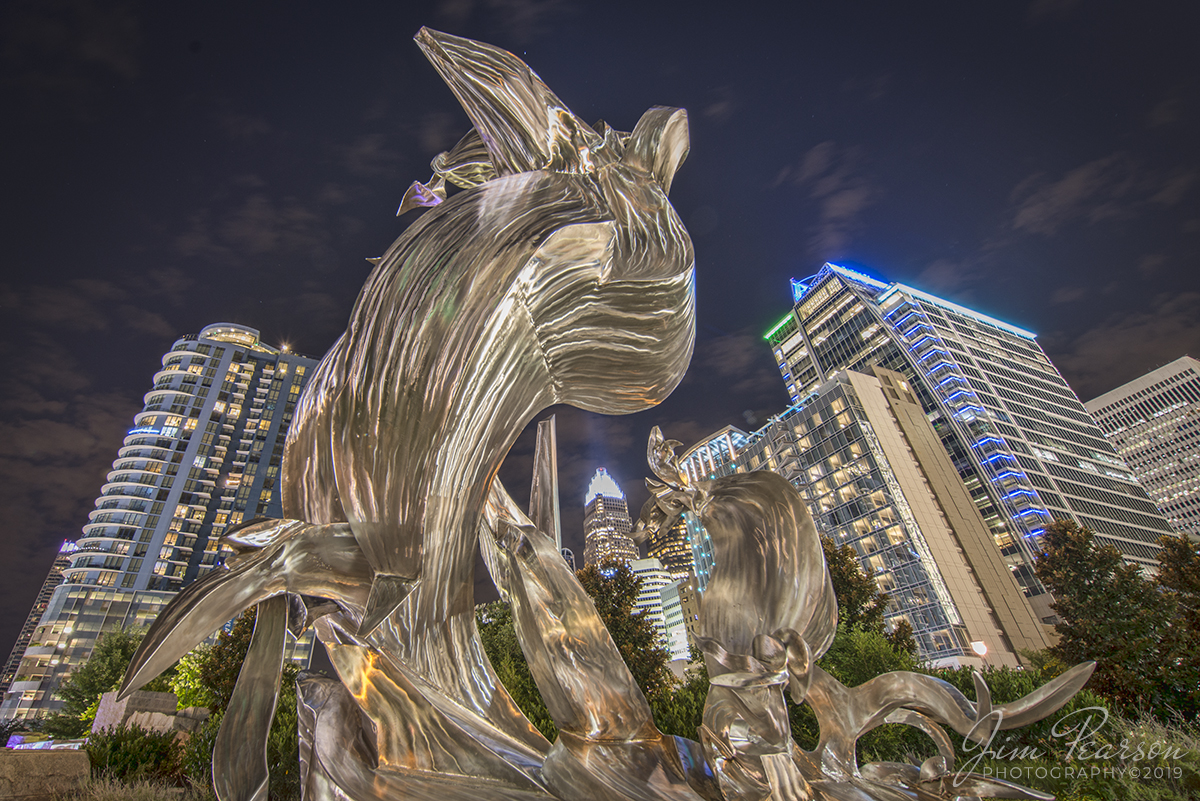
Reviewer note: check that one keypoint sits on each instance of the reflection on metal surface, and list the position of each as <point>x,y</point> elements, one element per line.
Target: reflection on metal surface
<point>559,273</point>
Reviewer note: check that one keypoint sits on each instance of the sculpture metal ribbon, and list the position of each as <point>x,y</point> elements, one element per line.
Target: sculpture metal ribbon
<point>559,274</point>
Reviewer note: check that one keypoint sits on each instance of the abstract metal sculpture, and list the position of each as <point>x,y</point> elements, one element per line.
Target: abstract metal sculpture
<point>559,274</point>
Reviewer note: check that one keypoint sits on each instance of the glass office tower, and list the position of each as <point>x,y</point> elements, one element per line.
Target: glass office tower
<point>203,455</point>
<point>1025,447</point>
<point>53,579</point>
<point>606,522</point>
<point>875,478</point>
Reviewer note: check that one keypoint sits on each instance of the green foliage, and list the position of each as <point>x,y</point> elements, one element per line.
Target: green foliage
<point>1179,576</point>
<point>860,603</point>
<point>218,672</point>
<point>681,711</point>
<point>103,672</point>
<point>1147,655</point>
<point>131,753</point>
<point>283,742</point>
<point>499,638</point>
<point>9,727</point>
<point>196,759</point>
<point>187,684</point>
<point>614,588</point>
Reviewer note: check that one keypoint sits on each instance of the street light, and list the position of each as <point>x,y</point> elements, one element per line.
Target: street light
<point>980,648</point>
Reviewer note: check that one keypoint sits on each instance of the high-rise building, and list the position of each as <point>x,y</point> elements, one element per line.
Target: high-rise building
<point>569,556</point>
<point>203,455</point>
<point>875,477</point>
<point>1154,423</point>
<point>659,601</point>
<point>1025,447</point>
<point>53,579</point>
<point>606,523</point>
<point>671,545</point>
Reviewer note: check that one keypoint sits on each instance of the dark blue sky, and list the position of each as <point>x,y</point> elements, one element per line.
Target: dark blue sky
<point>165,168</point>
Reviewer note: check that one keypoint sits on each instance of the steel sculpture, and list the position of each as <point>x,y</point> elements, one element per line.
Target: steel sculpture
<point>558,274</point>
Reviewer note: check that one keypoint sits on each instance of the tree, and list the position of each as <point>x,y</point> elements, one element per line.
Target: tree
<point>187,684</point>
<point>1111,614</point>
<point>681,711</point>
<point>1179,576</point>
<point>614,588</point>
<point>499,637</point>
<point>861,604</point>
<point>102,673</point>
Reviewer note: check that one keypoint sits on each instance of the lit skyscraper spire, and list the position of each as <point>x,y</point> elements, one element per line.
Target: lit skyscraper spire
<point>606,523</point>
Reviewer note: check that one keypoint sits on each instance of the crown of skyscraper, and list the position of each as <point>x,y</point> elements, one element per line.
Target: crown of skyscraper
<point>602,484</point>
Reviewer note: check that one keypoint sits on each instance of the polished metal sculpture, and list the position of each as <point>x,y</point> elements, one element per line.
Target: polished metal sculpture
<point>558,274</point>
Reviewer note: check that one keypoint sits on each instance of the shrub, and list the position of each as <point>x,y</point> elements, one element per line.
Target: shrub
<point>131,753</point>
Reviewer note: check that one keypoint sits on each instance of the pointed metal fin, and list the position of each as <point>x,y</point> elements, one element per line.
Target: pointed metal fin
<point>983,696</point>
<point>199,610</point>
<point>543,497</point>
<point>522,123</point>
<point>387,592</point>
<point>1045,699</point>
<point>659,144</point>
<point>420,194</point>
<point>240,752</point>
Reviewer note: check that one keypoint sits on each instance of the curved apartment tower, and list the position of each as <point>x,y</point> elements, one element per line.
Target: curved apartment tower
<point>203,455</point>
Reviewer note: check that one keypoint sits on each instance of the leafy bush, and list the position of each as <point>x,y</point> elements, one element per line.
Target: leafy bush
<point>131,753</point>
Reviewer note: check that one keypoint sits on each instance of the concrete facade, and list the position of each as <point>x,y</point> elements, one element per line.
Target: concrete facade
<point>875,477</point>
<point>1154,423</point>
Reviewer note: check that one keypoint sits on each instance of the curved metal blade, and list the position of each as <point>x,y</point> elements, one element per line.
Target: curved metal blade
<point>240,753</point>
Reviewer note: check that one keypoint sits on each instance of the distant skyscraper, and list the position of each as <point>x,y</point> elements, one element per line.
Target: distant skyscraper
<point>659,601</point>
<point>875,477</point>
<point>1154,423</point>
<point>53,579</point>
<point>203,455</point>
<point>606,523</point>
<point>672,546</point>
<point>1027,450</point>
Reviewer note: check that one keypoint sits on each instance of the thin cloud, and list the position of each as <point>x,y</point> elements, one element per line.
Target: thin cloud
<point>1106,189</point>
<point>243,127</point>
<point>257,227</point>
<point>1067,294</point>
<point>1040,10</point>
<point>520,20</point>
<point>369,155</point>
<point>835,181</point>
<point>740,362</point>
<point>722,106</point>
<point>70,51</point>
<point>1128,344</point>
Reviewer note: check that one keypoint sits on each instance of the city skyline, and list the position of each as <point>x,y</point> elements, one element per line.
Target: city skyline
<point>168,168</point>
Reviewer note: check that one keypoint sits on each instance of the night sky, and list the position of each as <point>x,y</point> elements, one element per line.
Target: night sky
<point>167,166</point>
